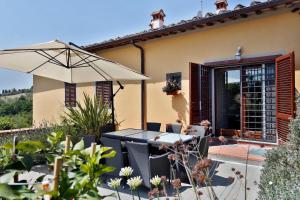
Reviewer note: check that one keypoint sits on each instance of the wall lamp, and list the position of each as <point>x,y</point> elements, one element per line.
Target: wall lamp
<point>238,54</point>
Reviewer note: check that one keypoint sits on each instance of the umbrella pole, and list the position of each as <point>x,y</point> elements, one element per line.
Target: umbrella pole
<point>112,100</point>
<point>112,104</point>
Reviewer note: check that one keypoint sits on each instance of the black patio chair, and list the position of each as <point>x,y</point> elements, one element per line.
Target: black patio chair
<point>173,128</point>
<point>198,131</point>
<point>200,150</point>
<point>153,126</point>
<point>121,158</point>
<point>145,165</point>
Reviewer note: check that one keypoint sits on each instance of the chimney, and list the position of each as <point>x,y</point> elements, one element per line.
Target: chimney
<point>158,18</point>
<point>221,6</point>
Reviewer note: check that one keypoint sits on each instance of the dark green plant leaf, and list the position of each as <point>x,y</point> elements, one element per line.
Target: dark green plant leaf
<point>91,195</point>
<point>7,146</point>
<point>7,192</point>
<point>30,147</point>
<point>27,162</point>
<point>111,154</point>
<point>17,165</point>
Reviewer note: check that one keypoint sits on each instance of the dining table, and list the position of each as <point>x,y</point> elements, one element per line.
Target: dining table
<point>153,138</point>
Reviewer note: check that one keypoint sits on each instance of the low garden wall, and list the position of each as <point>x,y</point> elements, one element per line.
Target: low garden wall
<point>39,134</point>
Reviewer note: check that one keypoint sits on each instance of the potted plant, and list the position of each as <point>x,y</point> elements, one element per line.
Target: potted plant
<point>172,87</point>
<point>89,117</point>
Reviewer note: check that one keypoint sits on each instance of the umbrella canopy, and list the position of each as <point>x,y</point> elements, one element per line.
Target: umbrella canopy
<point>65,62</point>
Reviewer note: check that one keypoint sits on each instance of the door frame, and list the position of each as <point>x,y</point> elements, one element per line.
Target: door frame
<point>225,64</point>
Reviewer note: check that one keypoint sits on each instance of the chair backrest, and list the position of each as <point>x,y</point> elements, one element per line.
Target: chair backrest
<point>138,154</point>
<point>204,145</point>
<point>198,130</point>
<point>88,140</point>
<point>160,165</point>
<point>118,160</point>
<point>153,126</point>
<point>173,128</point>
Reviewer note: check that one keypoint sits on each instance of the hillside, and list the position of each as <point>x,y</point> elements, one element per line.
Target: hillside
<point>14,96</point>
<point>15,111</point>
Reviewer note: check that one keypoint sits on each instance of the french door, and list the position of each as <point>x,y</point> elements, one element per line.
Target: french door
<point>267,97</point>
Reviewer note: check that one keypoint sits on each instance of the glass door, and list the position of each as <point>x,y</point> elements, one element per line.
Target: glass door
<point>245,102</point>
<point>227,99</point>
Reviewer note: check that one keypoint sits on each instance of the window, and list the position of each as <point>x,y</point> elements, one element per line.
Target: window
<point>70,94</point>
<point>104,91</point>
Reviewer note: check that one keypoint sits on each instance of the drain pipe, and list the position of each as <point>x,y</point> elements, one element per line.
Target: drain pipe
<point>143,85</point>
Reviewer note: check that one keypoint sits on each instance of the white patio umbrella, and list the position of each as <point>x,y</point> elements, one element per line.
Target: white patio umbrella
<point>65,62</point>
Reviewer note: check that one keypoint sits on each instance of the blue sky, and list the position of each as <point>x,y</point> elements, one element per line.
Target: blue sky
<point>82,22</point>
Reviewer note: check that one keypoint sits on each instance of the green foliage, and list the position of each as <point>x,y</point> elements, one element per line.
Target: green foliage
<point>22,159</point>
<point>90,116</point>
<point>280,177</point>
<point>6,123</point>
<point>15,106</point>
<point>55,145</point>
<point>16,112</point>
<point>81,173</point>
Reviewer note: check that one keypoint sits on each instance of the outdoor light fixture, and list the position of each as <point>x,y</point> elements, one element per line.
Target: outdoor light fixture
<point>238,54</point>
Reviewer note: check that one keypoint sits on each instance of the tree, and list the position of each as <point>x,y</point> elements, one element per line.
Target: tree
<point>280,178</point>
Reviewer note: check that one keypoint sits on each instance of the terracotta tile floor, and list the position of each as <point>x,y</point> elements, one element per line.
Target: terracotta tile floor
<point>240,151</point>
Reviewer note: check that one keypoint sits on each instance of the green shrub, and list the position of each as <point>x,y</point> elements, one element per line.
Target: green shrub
<point>22,120</point>
<point>280,178</point>
<point>6,123</point>
<point>90,116</point>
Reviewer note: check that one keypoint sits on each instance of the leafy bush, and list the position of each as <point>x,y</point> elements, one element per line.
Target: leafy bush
<point>6,123</point>
<point>280,177</point>
<point>22,159</point>
<point>22,120</point>
<point>17,105</point>
<point>90,116</point>
<point>16,113</point>
<point>79,178</point>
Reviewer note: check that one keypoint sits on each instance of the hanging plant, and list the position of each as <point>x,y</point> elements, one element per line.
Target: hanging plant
<point>172,87</point>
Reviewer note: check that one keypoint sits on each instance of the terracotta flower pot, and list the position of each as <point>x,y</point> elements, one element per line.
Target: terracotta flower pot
<point>173,93</point>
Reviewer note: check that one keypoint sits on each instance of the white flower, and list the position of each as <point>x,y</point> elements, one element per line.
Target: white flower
<point>155,181</point>
<point>134,182</point>
<point>126,171</point>
<point>115,183</point>
<point>270,182</point>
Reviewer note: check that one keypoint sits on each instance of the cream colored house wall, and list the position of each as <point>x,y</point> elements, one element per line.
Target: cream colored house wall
<point>49,99</point>
<point>276,33</point>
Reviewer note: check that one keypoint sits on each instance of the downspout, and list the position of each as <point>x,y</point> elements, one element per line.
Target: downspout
<point>143,85</point>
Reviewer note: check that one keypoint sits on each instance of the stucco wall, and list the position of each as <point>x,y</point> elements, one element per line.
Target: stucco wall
<point>49,97</point>
<point>275,33</point>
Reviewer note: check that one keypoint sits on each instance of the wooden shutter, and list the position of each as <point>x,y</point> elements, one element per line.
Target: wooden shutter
<point>200,103</point>
<point>104,91</point>
<point>70,94</point>
<point>285,94</point>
